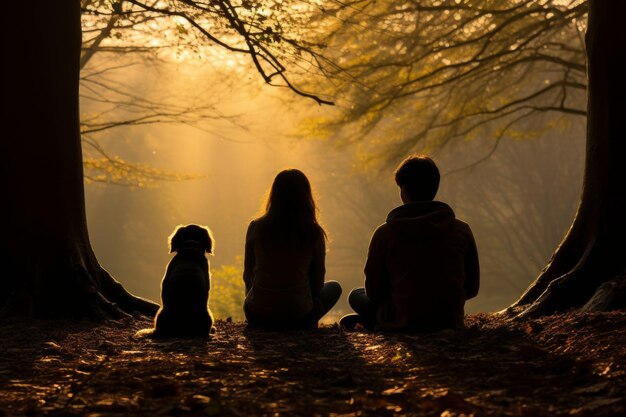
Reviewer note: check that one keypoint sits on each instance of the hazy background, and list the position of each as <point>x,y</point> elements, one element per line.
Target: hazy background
<point>519,202</point>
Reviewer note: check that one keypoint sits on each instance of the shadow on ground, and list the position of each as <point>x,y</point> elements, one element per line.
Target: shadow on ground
<point>563,365</point>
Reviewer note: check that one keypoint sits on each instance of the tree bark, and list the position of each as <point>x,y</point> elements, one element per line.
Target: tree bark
<point>49,268</point>
<point>594,249</point>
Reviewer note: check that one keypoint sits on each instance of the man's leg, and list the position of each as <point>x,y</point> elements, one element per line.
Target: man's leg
<point>365,310</point>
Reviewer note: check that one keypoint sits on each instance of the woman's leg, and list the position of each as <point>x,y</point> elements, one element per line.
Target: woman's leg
<point>328,297</point>
<point>325,300</point>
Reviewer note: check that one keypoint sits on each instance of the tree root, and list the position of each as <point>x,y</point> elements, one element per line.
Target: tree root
<point>609,296</point>
<point>74,292</point>
<point>126,301</point>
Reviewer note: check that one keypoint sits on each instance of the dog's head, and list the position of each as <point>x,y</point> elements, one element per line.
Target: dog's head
<point>190,236</point>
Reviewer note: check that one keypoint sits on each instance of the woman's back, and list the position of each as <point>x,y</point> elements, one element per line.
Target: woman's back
<point>282,276</point>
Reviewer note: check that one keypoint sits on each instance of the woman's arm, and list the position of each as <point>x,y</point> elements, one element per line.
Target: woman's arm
<point>249,260</point>
<point>317,271</point>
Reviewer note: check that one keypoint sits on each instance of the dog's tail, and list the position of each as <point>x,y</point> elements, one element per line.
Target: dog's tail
<point>144,334</point>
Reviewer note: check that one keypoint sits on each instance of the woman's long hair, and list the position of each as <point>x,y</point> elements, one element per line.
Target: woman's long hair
<point>290,217</point>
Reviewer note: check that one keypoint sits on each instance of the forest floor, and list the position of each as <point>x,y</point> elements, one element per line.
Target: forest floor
<point>571,364</point>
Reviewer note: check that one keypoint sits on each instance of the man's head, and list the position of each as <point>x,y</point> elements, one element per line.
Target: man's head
<point>418,178</point>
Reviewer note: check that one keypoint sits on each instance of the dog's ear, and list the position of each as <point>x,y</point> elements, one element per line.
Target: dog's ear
<point>176,238</point>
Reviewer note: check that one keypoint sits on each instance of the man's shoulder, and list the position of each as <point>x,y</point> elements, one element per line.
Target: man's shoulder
<point>462,225</point>
<point>381,230</point>
<point>463,230</point>
<point>380,236</point>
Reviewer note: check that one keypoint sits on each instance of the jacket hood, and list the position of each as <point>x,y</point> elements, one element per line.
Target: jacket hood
<point>422,219</point>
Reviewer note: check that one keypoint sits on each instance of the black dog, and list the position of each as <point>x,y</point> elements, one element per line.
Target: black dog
<point>185,287</point>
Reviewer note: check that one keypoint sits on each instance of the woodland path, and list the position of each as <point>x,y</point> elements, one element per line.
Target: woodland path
<point>571,364</point>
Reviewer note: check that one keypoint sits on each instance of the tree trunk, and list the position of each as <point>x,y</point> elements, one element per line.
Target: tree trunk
<point>594,249</point>
<point>49,268</point>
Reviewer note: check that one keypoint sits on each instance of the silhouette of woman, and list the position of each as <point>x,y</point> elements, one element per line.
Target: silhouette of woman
<point>284,259</point>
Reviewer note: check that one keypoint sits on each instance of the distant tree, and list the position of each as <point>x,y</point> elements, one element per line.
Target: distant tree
<point>519,202</point>
<point>417,75</point>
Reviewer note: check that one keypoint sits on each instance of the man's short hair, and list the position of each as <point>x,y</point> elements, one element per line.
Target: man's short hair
<point>419,176</point>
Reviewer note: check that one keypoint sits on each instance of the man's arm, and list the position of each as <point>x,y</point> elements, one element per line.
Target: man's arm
<point>376,277</point>
<point>472,269</point>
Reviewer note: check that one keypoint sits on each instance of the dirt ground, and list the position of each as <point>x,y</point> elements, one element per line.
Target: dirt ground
<point>572,364</point>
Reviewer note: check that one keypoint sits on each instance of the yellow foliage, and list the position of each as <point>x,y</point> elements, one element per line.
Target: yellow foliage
<point>319,128</point>
<point>227,291</point>
<point>114,170</point>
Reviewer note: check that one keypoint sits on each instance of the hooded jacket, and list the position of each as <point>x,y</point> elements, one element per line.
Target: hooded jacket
<point>421,267</point>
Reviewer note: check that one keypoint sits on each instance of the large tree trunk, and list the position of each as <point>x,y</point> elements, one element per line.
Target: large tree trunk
<point>48,266</point>
<point>594,250</point>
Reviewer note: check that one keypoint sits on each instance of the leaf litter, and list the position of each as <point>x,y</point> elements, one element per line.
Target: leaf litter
<point>564,365</point>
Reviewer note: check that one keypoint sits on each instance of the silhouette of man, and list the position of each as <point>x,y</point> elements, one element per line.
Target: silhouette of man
<point>422,262</point>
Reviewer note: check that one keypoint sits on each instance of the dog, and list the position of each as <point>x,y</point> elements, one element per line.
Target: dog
<point>185,287</point>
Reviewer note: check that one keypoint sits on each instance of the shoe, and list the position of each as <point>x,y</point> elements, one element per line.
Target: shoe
<point>349,322</point>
